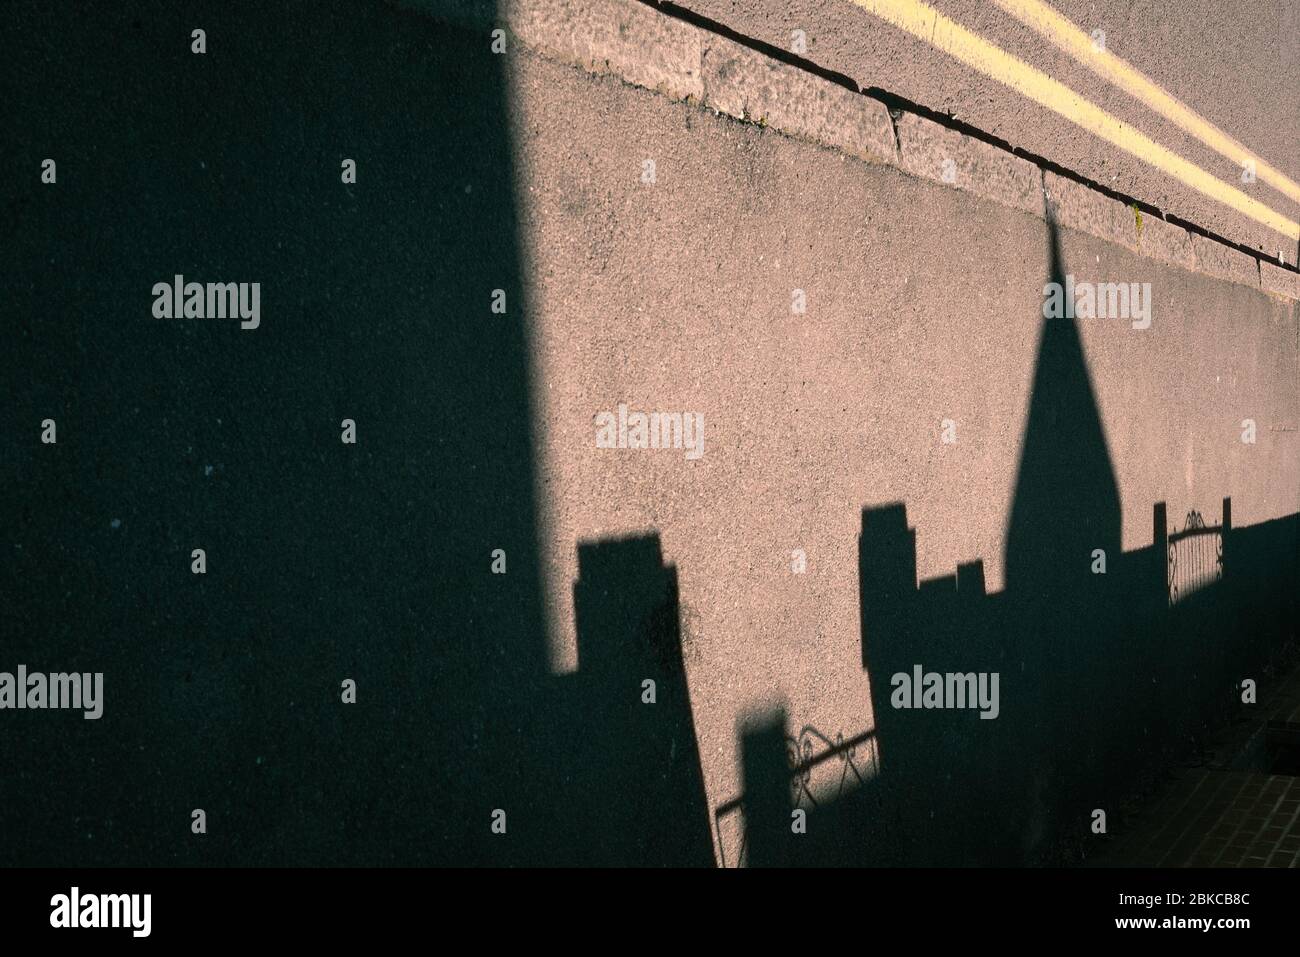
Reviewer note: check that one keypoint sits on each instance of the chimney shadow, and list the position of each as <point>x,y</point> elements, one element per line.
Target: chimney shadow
<point>625,784</point>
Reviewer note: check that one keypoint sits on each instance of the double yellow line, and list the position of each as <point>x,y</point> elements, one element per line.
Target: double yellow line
<point>929,25</point>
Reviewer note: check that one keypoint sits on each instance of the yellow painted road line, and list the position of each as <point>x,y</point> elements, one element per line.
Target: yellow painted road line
<point>1071,39</point>
<point>945,34</point>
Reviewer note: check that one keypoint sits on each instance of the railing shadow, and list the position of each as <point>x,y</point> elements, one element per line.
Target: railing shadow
<point>1104,675</point>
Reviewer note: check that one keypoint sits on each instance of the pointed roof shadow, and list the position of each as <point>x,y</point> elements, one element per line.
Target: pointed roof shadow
<point>1066,501</point>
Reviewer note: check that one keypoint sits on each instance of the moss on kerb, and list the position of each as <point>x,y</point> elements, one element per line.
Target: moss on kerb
<point>1137,214</point>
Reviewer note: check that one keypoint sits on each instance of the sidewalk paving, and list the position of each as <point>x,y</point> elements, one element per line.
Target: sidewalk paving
<point>1223,817</point>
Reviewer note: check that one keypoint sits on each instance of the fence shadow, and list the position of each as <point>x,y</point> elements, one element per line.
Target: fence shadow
<point>1103,676</point>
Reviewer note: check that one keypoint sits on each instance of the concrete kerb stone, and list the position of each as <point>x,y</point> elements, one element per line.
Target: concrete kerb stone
<point>946,156</point>
<point>1075,206</point>
<point>1278,281</point>
<point>1224,262</point>
<point>618,37</point>
<point>749,86</point>
<point>650,49</point>
<point>1166,242</point>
